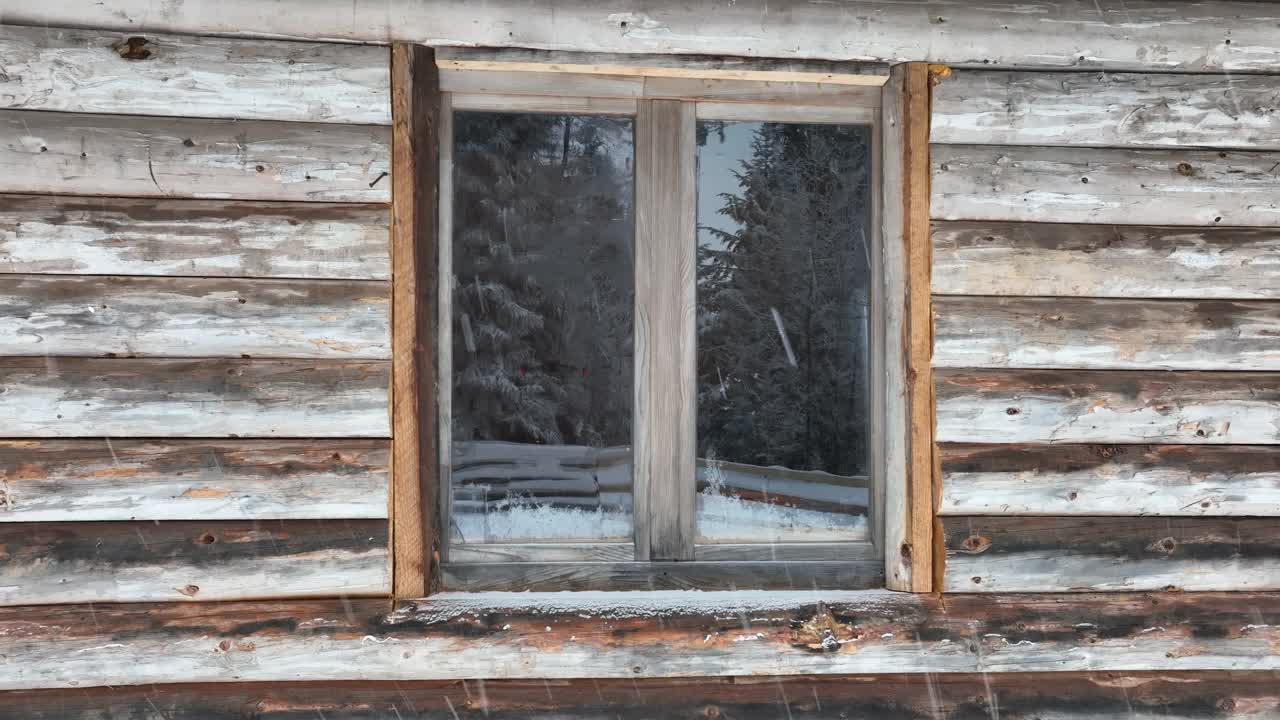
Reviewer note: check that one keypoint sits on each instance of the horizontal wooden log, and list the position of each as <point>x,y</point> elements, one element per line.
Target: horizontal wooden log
<point>767,574</point>
<point>207,238</point>
<point>1020,696</point>
<point>93,397</point>
<point>1094,34</point>
<point>1001,258</point>
<point>97,480</point>
<point>1039,554</point>
<point>92,71</point>
<point>1106,109</point>
<point>1030,406</point>
<point>193,317</point>
<point>188,561</point>
<point>75,154</point>
<point>537,636</point>
<point>1167,480</point>
<point>1104,185</point>
<point>1092,334</point>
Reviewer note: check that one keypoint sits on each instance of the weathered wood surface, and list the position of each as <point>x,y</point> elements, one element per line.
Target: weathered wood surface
<point>1106,109</point>
<point>778,574</point>
<point>538,636</point>
<point>1105,185</point>
<point>1002,258</point>
<point>1036,406</point>
<point>104,479</point>
<point>1045,554</point>
<point>96,397</point>
<point>191,561</point>
<point>1022,696</point>
<point>78,154</point>
<point>207,238</point>
<point>1088,333</point>
<point>1094,34</point>
<point>43,68</point>
<point>1126,480</point>
<point>98,315</point>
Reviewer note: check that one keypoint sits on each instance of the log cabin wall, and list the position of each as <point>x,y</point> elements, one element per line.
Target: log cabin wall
<point>1106,280</point>
<point>194,337</point>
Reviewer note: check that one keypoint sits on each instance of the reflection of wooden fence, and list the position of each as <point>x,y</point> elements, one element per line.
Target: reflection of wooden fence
<point>490,475</point>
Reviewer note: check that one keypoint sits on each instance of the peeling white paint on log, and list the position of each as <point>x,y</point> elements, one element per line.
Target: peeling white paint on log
<point>72,153</point>
<point>1104,185</point>
<point>44,68</point>
<point>1107,109</point>
<point>205,238</point>
<point>999,258</point>
<point>193,317</point>
<point>1101,334</point>
<point>81,397</point>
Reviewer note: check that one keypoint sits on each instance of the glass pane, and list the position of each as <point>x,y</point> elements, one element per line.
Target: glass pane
<point>783,301</point>
<point>542,318</point>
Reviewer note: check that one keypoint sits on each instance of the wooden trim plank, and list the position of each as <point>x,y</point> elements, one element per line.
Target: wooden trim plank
<point>787,113</point>
<point>80,154</point>
<point>444,323</point>
<point>104,72</point>
<point>105,479</point>
<point>742,575</point>
<point>106,397</point>
<point>1113,406</point>
<point>1111,480</point>
<point>470,102</point>
<point>110,562</point>
<point>1124,261</point>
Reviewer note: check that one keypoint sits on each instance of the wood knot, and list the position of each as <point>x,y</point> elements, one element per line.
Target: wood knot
<point>820,633</point>
<point>1185,169</point>
<point>975,544</point>
<point>938,73</point>
<point>134,48</point>
<point>189,590</point>
<point>1165,545</point>
<point>711,711</point>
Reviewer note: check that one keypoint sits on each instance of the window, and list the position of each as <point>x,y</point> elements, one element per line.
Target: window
<point>659,311</point>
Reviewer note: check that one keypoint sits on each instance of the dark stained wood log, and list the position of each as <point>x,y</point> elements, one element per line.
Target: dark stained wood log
<point>1166,480</point>
<point>206,238</point>
<point>1106,109</point>
<point>776,574</point>
<point>536,636</point>
<point>96,397</point>
<point>80,154</point>
<point>1104,185</point>
<point>1103,334</point>
<point>1004,258</point>
<point>1114,406</point>
<point>92,71</point>
<point>104,479</point>
<point>191,561</point>
<point>1022,696</point>
<point>1044,554</point>
<point>96,315</point>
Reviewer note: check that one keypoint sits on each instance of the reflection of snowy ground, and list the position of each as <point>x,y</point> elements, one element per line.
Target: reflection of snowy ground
<point>543,522</point>
<point>724,519</point>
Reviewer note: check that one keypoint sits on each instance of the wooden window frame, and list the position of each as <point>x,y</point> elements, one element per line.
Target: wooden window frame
<point>662,94</point>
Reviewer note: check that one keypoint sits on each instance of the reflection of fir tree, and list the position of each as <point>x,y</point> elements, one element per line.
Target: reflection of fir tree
<point>797,260</point>
<point>542,279</point>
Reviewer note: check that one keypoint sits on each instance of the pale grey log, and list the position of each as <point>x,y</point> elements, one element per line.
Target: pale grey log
<point>665,413</point>
<point>999,258</point>
<point>1103,185</point>
<point>1106,109</point>
<point>1094,34</point>
<point>1106,334</point>
<point>77,397</point>
<point>44,68</point>
<point>71,153</point>
<point>193,317</point>
<point>207,238</point>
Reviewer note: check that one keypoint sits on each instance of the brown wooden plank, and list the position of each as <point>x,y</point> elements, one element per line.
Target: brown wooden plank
<point>96,397</point>
<point>206,238</point>
<point>1019,696</point>
<point>1107,334</point>
<point>104,479</point>
<point>192,317</point>
<point>1046,554</point>
<point>1105,185</point>
<point>1114,406</point>
<point>191,561</point>
<point>536,636</point>
<point>1005,258</point>
<point>80,154</point>
<point>764,574</point>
